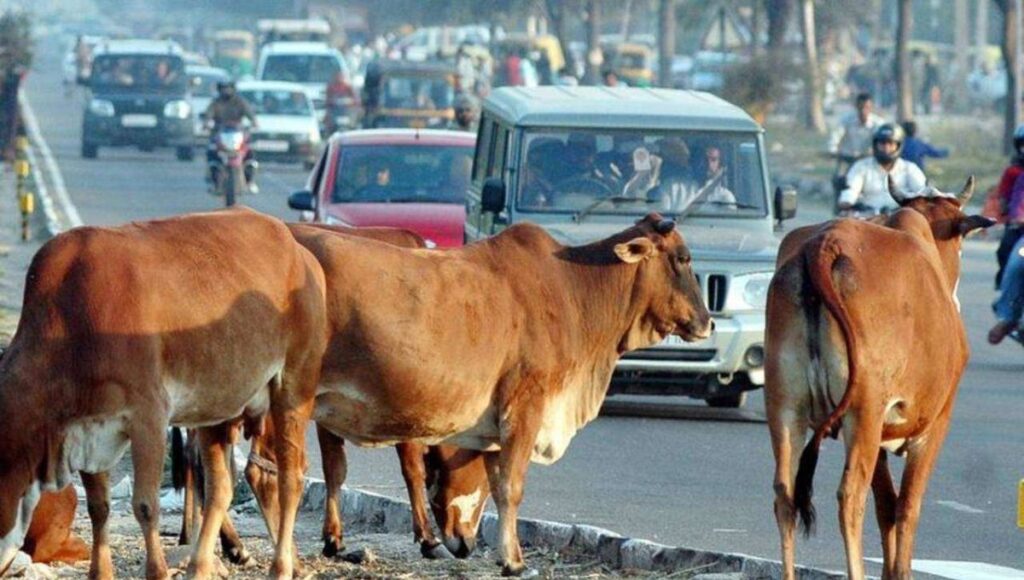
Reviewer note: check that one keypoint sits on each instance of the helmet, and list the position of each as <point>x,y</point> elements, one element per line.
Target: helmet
<point>887,132</point>
<point>1018,138</point>
<point>225,87</point>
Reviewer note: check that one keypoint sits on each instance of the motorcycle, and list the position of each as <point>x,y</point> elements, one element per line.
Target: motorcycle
<point>340,115</point>
<point>228,172</point>
<point>843,164</point>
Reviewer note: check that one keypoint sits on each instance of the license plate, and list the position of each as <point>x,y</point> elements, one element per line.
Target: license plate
<point>273,146</point>
<point>138,121</point>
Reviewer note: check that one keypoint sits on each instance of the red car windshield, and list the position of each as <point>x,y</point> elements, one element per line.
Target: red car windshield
<point>403,174</point>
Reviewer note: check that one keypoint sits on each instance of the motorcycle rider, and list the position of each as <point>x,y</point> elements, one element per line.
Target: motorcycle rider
<point>852,140</point>
<point>1004,192</point>
<point>340,96</point>
<point>227,111</point>
<point>868,179</point>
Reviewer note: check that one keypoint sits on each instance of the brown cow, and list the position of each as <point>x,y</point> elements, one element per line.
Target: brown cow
<point>456,478</point>
<point>505,346</point>
<point>193,320</point>
<point>856,314</point>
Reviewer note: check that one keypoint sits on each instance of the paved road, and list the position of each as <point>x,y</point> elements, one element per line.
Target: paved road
<point>696,483</point>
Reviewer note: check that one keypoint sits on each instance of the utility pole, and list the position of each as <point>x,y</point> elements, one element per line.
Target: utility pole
<point>904,86</point>
<point>594,56</point>
<point>666,41</point>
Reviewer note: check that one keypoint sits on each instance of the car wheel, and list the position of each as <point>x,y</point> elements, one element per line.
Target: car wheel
<point>185,153</point>
<point>90,151</point>
<point>727,401</point>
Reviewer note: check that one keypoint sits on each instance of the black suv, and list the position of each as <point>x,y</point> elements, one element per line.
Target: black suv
<point>139,97</point>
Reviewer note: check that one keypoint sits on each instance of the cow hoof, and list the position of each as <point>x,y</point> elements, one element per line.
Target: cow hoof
<point>333,547</point>
<point>520,571</point>
<point>238,556</point>
<point>434,551</point>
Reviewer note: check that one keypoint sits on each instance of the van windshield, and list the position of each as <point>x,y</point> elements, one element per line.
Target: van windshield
<point>598,171</point>
<point>301,68</point>
<point>143,72</point>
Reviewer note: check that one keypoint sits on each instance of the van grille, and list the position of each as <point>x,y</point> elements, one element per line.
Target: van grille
<point>715,288</point>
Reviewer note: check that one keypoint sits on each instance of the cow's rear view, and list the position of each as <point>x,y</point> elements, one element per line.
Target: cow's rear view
<point>193,321</point>
<point>864,338</point>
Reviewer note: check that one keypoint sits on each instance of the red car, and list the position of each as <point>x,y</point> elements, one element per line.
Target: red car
<point>407,178</point>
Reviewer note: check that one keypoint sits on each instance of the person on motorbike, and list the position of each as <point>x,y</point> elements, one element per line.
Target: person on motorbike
<point>340,96</point>
<point>852,140</point>
<point>867,181</point>
<point>227,111</point>
<point>1004,193</point>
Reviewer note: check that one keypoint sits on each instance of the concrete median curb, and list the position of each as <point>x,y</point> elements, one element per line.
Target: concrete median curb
<point>389,515</point>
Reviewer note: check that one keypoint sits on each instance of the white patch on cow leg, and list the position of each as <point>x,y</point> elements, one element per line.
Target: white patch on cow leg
<point>894,413</point>
<point>956,299</point>
<point>11,543</point>
<point>466,504</point>
<point>95,444</point>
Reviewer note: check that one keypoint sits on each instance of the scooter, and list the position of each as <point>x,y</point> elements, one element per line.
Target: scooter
<point>340,115</point>
<point>229,170</point>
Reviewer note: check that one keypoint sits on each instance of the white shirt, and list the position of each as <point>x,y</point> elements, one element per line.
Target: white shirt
<point>868,183</point>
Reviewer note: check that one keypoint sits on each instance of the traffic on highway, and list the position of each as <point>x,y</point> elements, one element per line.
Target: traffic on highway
<point>568,269</point>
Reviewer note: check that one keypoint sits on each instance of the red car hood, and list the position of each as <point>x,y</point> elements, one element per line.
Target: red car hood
<point>441,223</point>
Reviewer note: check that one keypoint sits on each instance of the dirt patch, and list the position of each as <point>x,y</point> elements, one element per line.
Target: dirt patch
<point>395,555</point>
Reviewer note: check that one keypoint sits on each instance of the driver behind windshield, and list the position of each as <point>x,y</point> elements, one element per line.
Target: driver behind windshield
<point>715,178</point>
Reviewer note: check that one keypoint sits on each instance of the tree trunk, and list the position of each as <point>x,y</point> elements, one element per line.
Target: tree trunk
<point>755,28</point>
<point>1009,9</point>
<point>980,31</point>
<point>815,118</point>
<point>778,22</point>
<point>904,86</point>
<point>960,33</point>
<point>594,59</point>
<point>666,41</point>
<point>627,17</point>
<point>558,14</point>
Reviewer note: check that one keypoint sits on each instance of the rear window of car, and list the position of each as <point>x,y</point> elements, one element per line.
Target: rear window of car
<point>403,174</point>
<point>291,103</point>
<point>301,68</point>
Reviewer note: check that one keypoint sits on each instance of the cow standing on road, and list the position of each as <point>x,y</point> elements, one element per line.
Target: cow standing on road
<point>196,320</point>
<point>505,346</point>
<point>864,337</point>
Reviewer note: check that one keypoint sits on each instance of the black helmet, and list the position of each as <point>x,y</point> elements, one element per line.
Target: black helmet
<point>887,132</point>
<point>225,87</point>
<point>1018,138</point>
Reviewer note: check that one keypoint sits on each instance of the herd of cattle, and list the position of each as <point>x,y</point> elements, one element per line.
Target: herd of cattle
<point>474,361</point>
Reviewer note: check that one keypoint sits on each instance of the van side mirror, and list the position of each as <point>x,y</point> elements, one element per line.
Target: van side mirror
<point>492,198</point>
<point>785,203</point>
<point>301,200</point>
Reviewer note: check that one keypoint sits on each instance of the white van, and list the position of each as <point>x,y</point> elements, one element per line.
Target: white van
<point>310,64</point>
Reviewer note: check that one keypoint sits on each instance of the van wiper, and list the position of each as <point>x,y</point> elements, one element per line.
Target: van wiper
<point>614,199</point>
<point>734,204</point>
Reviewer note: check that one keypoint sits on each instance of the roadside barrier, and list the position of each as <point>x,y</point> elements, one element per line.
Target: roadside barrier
<point>24,185</point>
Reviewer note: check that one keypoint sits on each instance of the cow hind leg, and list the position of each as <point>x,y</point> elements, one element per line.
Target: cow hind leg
<point>414,472</point>
<point>335,465</point>
<point>231,543</point>
<point>290,415</point>
<point>213,448</point>
<point>97,497</point>
<point>788,431</point>
<point>921,457</point>
<point>885,511</point>
<point>863,439</point>
<point>148,450</point>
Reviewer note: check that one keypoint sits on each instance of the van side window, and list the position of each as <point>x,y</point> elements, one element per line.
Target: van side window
<point>484,144</point>
<point>496,166</point>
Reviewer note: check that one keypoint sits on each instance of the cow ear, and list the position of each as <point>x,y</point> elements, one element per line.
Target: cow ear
<point>635,250</point>
<point>974,222</point>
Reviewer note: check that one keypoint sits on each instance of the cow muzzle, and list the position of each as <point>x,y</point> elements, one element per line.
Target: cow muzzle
<point>460,547</point>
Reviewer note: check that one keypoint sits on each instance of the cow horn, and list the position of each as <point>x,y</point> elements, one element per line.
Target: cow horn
<point>665,227</point>
<point>968,190</point>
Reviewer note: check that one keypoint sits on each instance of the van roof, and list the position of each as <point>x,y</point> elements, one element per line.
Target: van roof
<point>617,108</point>
<point>297,47</point>
<point>138,46</point>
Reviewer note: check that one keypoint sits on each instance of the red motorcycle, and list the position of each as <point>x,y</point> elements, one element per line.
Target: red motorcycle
<point>229,170</point>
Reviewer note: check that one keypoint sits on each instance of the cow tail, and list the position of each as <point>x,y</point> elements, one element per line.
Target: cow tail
<point>819,265</point>
<point>179,463</point>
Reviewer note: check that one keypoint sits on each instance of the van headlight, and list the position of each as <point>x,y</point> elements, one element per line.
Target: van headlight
<point>101,108</point>
<point>748,291</point>
<point>177,110</point>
